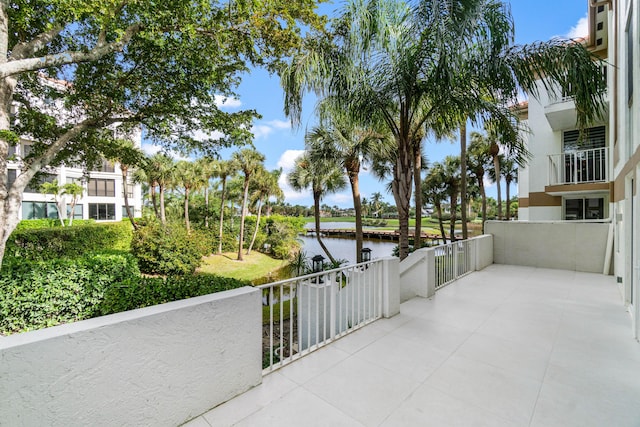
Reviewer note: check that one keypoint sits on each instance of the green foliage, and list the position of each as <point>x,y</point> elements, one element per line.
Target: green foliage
<point>369,222</point>
<point>39,294</point>
<point>168,250</point>
<point>68,242</point>
<point>138,292</point>
<point>27,224</point>
<point>281,235</point>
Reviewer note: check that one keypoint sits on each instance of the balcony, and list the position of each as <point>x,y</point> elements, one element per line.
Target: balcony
<point>506,346</point>
<point>561,113</point>
<point>579,167</point>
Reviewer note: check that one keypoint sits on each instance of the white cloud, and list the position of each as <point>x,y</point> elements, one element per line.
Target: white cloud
<point>340,199</point>
<point>581,29</point>
<point>200,135</point>
<point>225,102</point>
<point>150,149</point>
<point>264,129</point>
<point>287,159</point>
<point>279,124</point>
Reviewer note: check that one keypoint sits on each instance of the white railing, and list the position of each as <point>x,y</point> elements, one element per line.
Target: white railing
<point>452,261</point>
<point>582,166</point>
<point>302,314</point>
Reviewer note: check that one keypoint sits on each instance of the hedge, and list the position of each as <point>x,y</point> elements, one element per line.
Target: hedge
<point>39,294</point>
<point>68,242</point>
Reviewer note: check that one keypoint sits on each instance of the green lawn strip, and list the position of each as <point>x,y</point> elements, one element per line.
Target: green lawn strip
<point>254,266</point>
<point>286,312</point>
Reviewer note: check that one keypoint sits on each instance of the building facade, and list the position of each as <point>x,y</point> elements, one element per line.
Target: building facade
<point>102,198</point>
<point>594,178</point>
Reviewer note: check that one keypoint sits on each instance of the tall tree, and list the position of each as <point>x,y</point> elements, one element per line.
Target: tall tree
<point>478,159</point>
<point>403,63</point>
<point>208,168</point>
<point>435,192</point>
<point>249,162</point>
<point>54,189</point>
<point>187,176</point>
<point>224,170</point>
<point>322,177</point>
<point>452,180</point>
<point>129,62</point>
<point>160,169</point>
<point>265,186</point>
<point>75,191</point>
<point>510,174</point>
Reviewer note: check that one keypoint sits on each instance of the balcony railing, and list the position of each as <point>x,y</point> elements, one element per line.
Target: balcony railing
<point>452,260</point>
<point>577,167</point>
<point>302,314</point>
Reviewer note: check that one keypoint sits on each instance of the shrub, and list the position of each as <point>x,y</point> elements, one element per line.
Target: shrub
<point>27,224</point>
<point>68,242</point>
<point>138,292</point>
<point>168,250</point>
<point>38,294</point>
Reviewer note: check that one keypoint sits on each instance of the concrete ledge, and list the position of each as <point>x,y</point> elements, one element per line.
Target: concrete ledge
<point>160,365</point>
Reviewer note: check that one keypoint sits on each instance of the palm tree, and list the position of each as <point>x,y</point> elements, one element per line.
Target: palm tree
<point>405,65</point>
<point>350,145</point>
<point>434,191</point>
<point>376,200</point>
<point>127,155</point>
<point>452,180</point>
<point>249,162</point>
<point>266,185</point>
<point>75,191</point>
<point>478,159</point>
<point>54,189</point>
<point>322,177</point>
<point>159,169</point>
<point>224,170</point>
<point>208,168</point>
<point>189,177</point>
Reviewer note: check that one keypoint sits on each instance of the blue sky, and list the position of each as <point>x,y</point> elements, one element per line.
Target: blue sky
<point>534,19</point>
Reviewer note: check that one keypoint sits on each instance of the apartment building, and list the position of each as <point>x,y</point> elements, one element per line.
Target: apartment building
<point>102,199</point>
<point>593,177</point>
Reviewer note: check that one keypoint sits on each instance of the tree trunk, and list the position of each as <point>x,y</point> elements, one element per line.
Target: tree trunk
<point>154,201</point>
<point>242,213</point>
<point>508,213</point>
<point>439,210</point>
<point>357,206</point>
<point>417,182</point>
<point>463,179</point>
<point>401,186</point>
<point>255,232</point>
<point>452,221</point>
<point>206,206</point>
<point>496,166</point>
<point>163,217</point>
<point>124,170</point>
<point>224,185</point>
<point>187,223</point>
<point>316,215</point>
<point>483,194</point>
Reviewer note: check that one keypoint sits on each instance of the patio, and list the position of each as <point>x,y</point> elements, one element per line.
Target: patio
<point>505,346</point>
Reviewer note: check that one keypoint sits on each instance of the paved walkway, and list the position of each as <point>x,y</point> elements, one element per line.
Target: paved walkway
<point>507,346</point>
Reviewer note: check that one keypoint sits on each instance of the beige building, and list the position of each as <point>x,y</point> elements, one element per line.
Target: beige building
<point>594,180</point>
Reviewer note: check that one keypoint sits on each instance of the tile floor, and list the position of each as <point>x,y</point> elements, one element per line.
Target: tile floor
<point>506,346</point>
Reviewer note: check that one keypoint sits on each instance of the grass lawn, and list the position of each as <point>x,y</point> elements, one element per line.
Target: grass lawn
<point>254,266</point>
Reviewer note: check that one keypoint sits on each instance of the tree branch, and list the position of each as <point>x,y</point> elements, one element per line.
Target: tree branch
<point>31,64</point>
<point>24,49</point>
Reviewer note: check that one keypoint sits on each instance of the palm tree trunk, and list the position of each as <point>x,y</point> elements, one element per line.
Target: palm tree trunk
<point>452,221</point>
<point>439,210</point>
<point>255,232</point>
<point>206,206</point>
<point>224,185</point>
<point>242,213</point>
<point>417,181</point>
<point>496,166</point>
<point>163,217</point>
<point>463,179</point>
<point>483,194</point>
<point>316,214</point>
<point>187,223</point>
<point>357,206</point>
<point>508,213</point>
<point>401,186</point>
<point>154,201</point>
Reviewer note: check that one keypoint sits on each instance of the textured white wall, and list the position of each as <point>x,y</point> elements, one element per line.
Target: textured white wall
<point>483,247</point>
<point>156,366</point>
<point>568,245</point>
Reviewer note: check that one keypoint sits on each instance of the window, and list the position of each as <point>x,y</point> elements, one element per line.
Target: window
<point>584,208</point>
<point>13,151</point>
<point>75,180</point>
<point>39,210</point>
<point>129,191</point>
<point>102,187</point>
<point>34,184</point>
<point>102,211</point>
<point>26,149</point>
<point>106,166</point>
<point>77,212</point>
<point>585,159</point>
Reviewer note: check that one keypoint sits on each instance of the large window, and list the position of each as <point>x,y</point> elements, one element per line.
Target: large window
<point>39,210</point>
<point>585,156</point>
<point>77,211</point>
<point>102,187</point>
<point>102,211</point>
<point>34,184</point>
<point>106,166</point>
<point>584,208</point>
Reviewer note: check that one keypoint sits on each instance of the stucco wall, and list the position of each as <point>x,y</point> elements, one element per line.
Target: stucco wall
<point>157,366</point>
<point>567,245</point>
